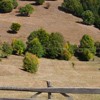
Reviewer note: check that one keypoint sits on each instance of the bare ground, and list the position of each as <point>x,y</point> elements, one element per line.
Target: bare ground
<point>52,19</point>
<point>60,73</point>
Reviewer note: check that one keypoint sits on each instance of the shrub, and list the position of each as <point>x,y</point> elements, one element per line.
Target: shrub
<point>88,17</point>
<point>66,55</point>
<point>97,22</point>
<point>6,6</point>
<point>97,44</point>
<point>27,10</point>
<point>3,54</point>
<point>73,6</point>
<point>7,48</point>
<point>18,47</point>
<point>30,63</point>
<point>71,48</point>
<point>92,5</point>
<point>35,47</point>
<point>15,27</point>
<point>40,2</point>
<point>88,42</point>
<point>43,37</point>
<point>87,55</point>
<point>55,45</point>
<point>15,3</point>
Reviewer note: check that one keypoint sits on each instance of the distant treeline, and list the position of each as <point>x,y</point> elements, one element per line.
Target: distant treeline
<point>89,10</point>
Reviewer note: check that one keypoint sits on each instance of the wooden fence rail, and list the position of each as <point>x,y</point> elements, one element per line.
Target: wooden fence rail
<point>50,90</point>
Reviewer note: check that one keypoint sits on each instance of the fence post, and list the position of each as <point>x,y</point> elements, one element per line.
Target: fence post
<point>49,93</point>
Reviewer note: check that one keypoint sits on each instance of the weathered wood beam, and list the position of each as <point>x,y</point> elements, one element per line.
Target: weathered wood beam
<point>14,99</point>
<point>66,95</point>
<point>73,90</point>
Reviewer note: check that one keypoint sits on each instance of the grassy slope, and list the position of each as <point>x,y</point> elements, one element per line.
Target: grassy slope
<point>60,73</point>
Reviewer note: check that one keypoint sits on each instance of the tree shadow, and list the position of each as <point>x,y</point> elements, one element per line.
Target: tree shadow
<point>11,32</point>
<point>35,4</point>
<point>20,15</point>
<point>62,9</point>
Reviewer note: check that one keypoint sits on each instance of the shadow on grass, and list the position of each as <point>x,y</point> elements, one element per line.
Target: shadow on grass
<point>11,32</point>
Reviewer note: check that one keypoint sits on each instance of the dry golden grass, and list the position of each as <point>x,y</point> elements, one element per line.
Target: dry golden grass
<point>59,72</point>
<point>52,19</point>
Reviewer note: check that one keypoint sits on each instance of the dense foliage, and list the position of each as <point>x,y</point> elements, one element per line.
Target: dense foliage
<point>40,2</point>
<point>88,17</point>
<point>88,42</point>
<point>97,44</point>
<point>73,6</point>
<point>26,10</point>
<point>6,6</point>
<point>18,47</point>
<point>43,37</point>
<point>30,63</point>
<point>7,48</point>
<point>15,3</point>
<point>35,47</point>
<point>15,27</point>
<point>77,7</point>
<point>55,45</point>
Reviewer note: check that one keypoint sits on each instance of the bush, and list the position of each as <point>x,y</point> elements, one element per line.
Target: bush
<point>88,42</point>
<point>87,55</point>
<point>27,10</point>
<point>97,44</point>
<point>88,17</point>
<point>71,48</point>
<point>3,54</point>
<point>15,27</point>
<point>40,2</point>
<point>43,37</point>
<point>92,5</point>
<point>15,3</point>
<point>97,22</point>
<point>18,47</point>
<point>7,48</point>
<point>6,6</point>
<point>55,45</point>
<point>66,55</point>
<point>73,6</point>
<point>30,63</point>
<point>35,47</point>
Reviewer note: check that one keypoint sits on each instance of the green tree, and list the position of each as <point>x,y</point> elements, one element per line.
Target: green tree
<point>55,45</point>
<point>26,10</point>
<point>15,27</point>
<point>97,44</point>
<point>43,37</point>
<point>35,47</point>
<point>66,55</point>
<point>88,42</point>
<point>6,6</point>
<point>7,48</point>
<point>97,22</point>
<point>87,55</point>
<point>30,63</point>
<point>88,17</point>
<point>18,47</point>
<point>73,6</point>
<point>40,2</point>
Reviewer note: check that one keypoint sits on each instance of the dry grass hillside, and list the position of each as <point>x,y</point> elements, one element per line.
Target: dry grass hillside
<point>52,19</point>
<point>59,72</point>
